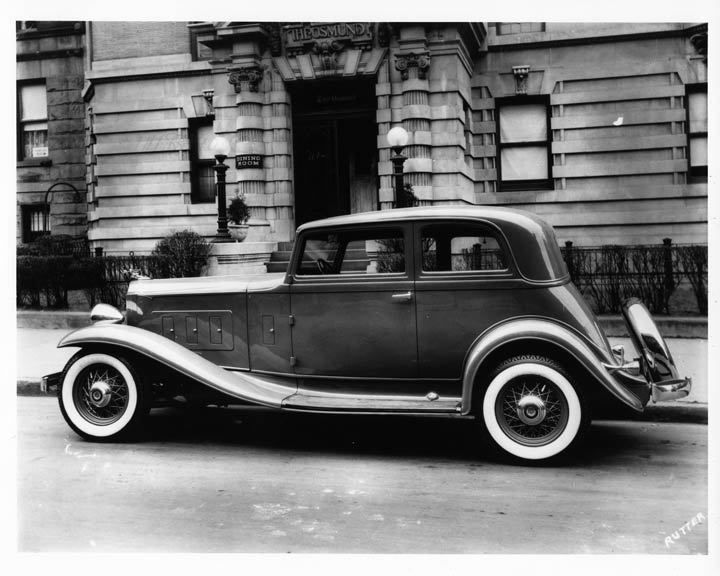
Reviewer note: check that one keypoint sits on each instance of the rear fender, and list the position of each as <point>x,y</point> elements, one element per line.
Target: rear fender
<point>545,331</point>
<point>254,388</point>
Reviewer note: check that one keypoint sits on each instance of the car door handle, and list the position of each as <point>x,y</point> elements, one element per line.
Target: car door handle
<point>404,297</point>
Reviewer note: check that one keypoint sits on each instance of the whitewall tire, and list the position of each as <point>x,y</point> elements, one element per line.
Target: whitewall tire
<point>101,397</point>
<point>531,410</point>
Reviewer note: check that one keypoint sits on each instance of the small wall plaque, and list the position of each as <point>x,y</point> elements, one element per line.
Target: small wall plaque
<point>248,161</point>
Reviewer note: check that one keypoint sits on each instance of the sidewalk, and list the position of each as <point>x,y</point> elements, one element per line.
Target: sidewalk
<point>37,355</point>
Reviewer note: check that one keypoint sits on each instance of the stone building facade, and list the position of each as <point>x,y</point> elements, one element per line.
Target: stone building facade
<point>600,128</point>
<point>50,129</point>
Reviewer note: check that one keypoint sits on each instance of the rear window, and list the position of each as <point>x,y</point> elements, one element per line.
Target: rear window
<point>461,248</point>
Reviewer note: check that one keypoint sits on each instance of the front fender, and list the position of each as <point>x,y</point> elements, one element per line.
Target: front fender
<point>547,332</point>
<point>264,390</point>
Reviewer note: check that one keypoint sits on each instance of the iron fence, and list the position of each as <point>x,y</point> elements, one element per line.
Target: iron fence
<point>608,275</point>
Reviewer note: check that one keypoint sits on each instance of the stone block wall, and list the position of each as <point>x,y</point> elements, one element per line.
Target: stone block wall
<point>619,134</point>
<point>55,57</point>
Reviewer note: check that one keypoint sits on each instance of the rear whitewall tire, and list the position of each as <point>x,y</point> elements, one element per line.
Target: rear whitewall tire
<point>71,406</point>
<point>575,420</point>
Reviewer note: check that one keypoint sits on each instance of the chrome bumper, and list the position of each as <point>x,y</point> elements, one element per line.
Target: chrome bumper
<point>671,389</point>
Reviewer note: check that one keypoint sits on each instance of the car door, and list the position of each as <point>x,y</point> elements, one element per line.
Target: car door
<point>465,283</point>
<point>352,303</point>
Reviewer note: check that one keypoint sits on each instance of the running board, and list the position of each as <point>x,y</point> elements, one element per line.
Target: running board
<point>369,404</point>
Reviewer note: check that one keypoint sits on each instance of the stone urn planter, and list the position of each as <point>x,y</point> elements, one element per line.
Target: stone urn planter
<point>238,232</point>
<point>238,214</point>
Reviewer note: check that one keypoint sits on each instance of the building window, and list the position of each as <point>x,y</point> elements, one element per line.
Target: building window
<point>198,50</point>
<point>503,28</point>
<point>35,221</point>
<point>697,122</point>
<point>202,175</point>
<point>32,121</point>
<point>523,143</point>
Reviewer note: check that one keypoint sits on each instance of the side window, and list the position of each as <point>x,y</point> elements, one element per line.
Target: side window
<point>461,248</point>
<point>353,252</point>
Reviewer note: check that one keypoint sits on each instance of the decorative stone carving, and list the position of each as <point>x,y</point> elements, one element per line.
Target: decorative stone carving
<point>699,42</point>
<point>328,50</point>
<point>274,38</point>
<point>384,34</point>
<point>521,76</point>
<point>245,77</point>
<point>421,61</point>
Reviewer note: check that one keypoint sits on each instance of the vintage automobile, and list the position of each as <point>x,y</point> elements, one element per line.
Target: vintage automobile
<point>463,312</point>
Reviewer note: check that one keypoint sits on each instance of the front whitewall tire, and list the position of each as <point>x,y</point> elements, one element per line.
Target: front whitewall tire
<point>574,408</point>
<point>68,400</point>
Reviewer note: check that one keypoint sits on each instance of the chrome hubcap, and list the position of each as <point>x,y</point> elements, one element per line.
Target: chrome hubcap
<point>100,394</point>
<point>531,410</point>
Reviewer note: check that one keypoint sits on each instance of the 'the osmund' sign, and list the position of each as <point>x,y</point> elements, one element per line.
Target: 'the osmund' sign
<point>248,161</point>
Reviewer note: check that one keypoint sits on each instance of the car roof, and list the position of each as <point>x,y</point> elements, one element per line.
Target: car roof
<point>531,239</point>
<point>490,213</point>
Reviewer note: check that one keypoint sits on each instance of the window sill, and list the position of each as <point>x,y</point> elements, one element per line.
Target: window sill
<point>524,185</point>
<point>31,162</point>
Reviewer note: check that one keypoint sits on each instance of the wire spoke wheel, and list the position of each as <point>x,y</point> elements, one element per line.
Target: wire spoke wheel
<point>531,410</point>
<point>100,394</point>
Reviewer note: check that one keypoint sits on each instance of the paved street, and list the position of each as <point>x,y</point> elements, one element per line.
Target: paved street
<point>263,482</point>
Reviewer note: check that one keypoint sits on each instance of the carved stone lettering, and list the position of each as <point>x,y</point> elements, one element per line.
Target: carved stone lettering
<point>300,38</point>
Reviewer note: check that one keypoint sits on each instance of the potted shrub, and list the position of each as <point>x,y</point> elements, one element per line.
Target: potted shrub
<point>238,214</point>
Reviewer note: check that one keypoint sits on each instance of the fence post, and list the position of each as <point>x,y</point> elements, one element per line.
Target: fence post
<point>669,275</point>
<point>667,259</point>
<point>569,259</point>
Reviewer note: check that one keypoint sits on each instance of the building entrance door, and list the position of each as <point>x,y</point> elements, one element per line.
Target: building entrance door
<point>334,149</point>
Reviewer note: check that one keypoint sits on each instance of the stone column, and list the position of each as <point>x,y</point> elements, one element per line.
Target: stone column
<point>249,132</point>
<point>402,92</point>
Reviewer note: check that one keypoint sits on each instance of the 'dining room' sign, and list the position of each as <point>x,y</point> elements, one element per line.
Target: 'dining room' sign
<point>297,36</point>
<point>248,161</point>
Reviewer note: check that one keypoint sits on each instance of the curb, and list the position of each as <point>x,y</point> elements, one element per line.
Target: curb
<point>30,387</point>
<point>687,412</point>
<point>677,412</point>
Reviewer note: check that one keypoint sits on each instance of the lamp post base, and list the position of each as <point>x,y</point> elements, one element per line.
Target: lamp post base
<point>222,237</point>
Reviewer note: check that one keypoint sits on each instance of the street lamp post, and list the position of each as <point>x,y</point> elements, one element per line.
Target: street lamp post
<point>398,139</point>
<point>220,148</point>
